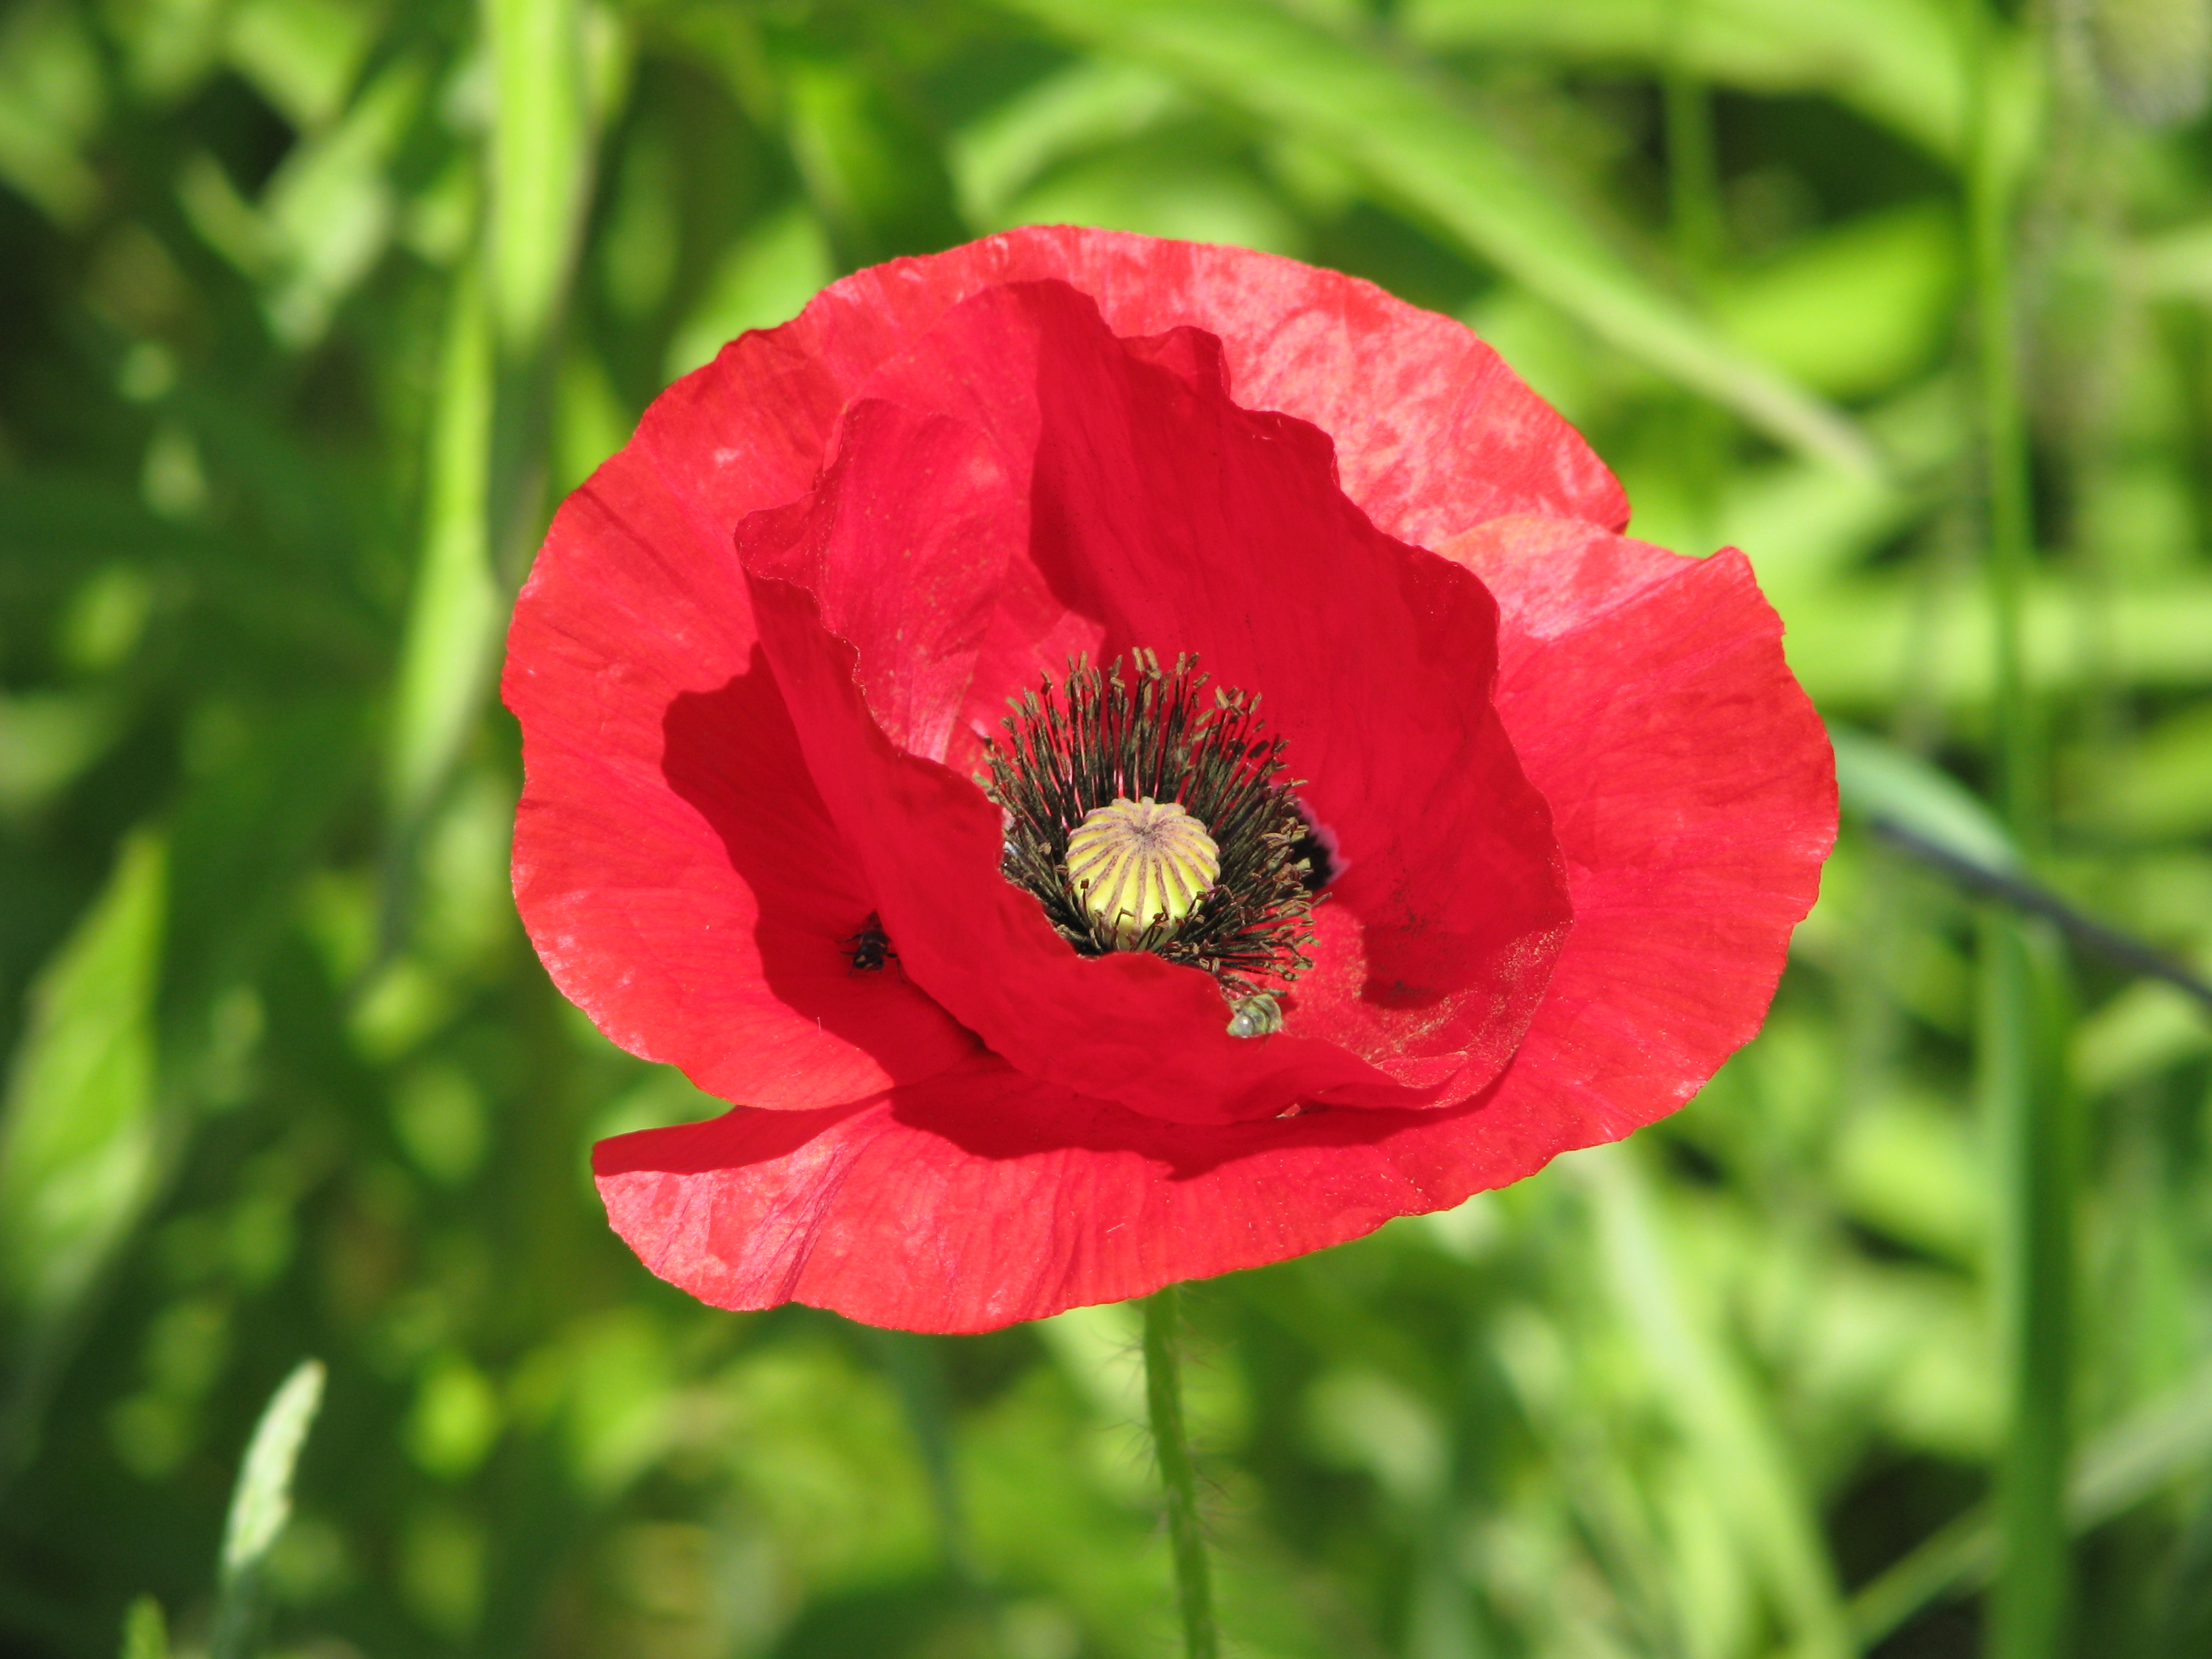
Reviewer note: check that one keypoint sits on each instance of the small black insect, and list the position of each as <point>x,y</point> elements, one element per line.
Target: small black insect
<point>870,948</point>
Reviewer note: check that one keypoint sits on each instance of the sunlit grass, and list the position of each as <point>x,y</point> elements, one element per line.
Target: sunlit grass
<point>313,307</point>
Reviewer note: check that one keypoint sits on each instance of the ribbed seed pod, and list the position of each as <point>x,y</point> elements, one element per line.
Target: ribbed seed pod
<point>1138,867</point>
<point>1225,876</point>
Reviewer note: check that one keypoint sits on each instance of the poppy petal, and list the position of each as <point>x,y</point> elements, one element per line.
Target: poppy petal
<point>1433,432</point>
<point>1693,791</point>
<point>672,861</point>
<point>973,1200</point>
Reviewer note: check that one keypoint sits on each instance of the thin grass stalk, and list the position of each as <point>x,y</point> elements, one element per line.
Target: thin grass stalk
<point>1693,192</point>
<point>2023,1017</point>
<point>915,1366</point>
<point>1179,1481</point>
<point>2008,497</point>
<point>1697,229</point>
<point>2019,1013</point>
<point>537,163</point>
<point>260,1505</point>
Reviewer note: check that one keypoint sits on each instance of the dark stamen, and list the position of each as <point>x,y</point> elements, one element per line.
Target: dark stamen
<point>1100,737</point>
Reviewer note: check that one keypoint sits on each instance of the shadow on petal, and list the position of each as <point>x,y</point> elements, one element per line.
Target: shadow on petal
<point>732,753</point>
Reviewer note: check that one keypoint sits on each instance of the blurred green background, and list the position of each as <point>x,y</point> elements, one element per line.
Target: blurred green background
<point>312,308</point>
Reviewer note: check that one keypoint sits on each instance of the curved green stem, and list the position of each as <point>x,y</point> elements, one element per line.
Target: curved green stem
<point>2023,1015</point>
<point>1164,1396</point>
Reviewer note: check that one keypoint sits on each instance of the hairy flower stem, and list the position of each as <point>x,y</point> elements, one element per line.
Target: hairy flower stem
<point>1164,1395</point>
<point>2023,995</point>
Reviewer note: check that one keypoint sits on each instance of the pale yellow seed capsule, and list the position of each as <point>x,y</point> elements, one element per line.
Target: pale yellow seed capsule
<point>1140,862</point>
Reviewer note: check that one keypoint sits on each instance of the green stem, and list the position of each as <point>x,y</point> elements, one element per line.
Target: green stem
<point>1164,1395</point>
<point>915,1366</point>
<point>2022,1014</point>
<point>1693,179</point>
<point>1696,228</point>
<point>1991,239</point>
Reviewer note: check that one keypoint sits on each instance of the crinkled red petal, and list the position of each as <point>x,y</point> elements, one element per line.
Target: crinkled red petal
<point>1433,432</point>
<point>1694,796</point>
<point>1694,793</point>
<point>974,1201</point>
<point>672,860</point>
<point>1119,498</point>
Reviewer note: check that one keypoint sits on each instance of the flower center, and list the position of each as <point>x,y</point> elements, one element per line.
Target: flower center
<point>1144,817</point>
<point>1138,867</point>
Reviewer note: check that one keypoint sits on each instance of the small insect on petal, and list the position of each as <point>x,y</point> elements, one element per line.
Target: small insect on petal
<point>1256,1016</point>
<point>870,948</point>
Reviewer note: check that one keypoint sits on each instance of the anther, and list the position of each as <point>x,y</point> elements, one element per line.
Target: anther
<point>1144,815</point>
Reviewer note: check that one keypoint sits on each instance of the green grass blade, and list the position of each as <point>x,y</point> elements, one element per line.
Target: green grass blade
<point>2162,1441</point>
<point>80,1133</point>
<point>145,1632</point>
<point>762,279</point>
<point>1853,643</point>
<point>1093,100</point>
<point>1416,145</point>
<point>539,168</point>
<point>1713,1397</point>
<point>261,1501</point>
<point>260,1505</point>
<point>2024,1023</point>
<point>539,162</point>
<point>1896,61</point>
<point>453,616</point>
<point>1878,780</point>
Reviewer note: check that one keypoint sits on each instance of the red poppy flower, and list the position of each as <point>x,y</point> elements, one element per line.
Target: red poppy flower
<point>1469,833</point>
